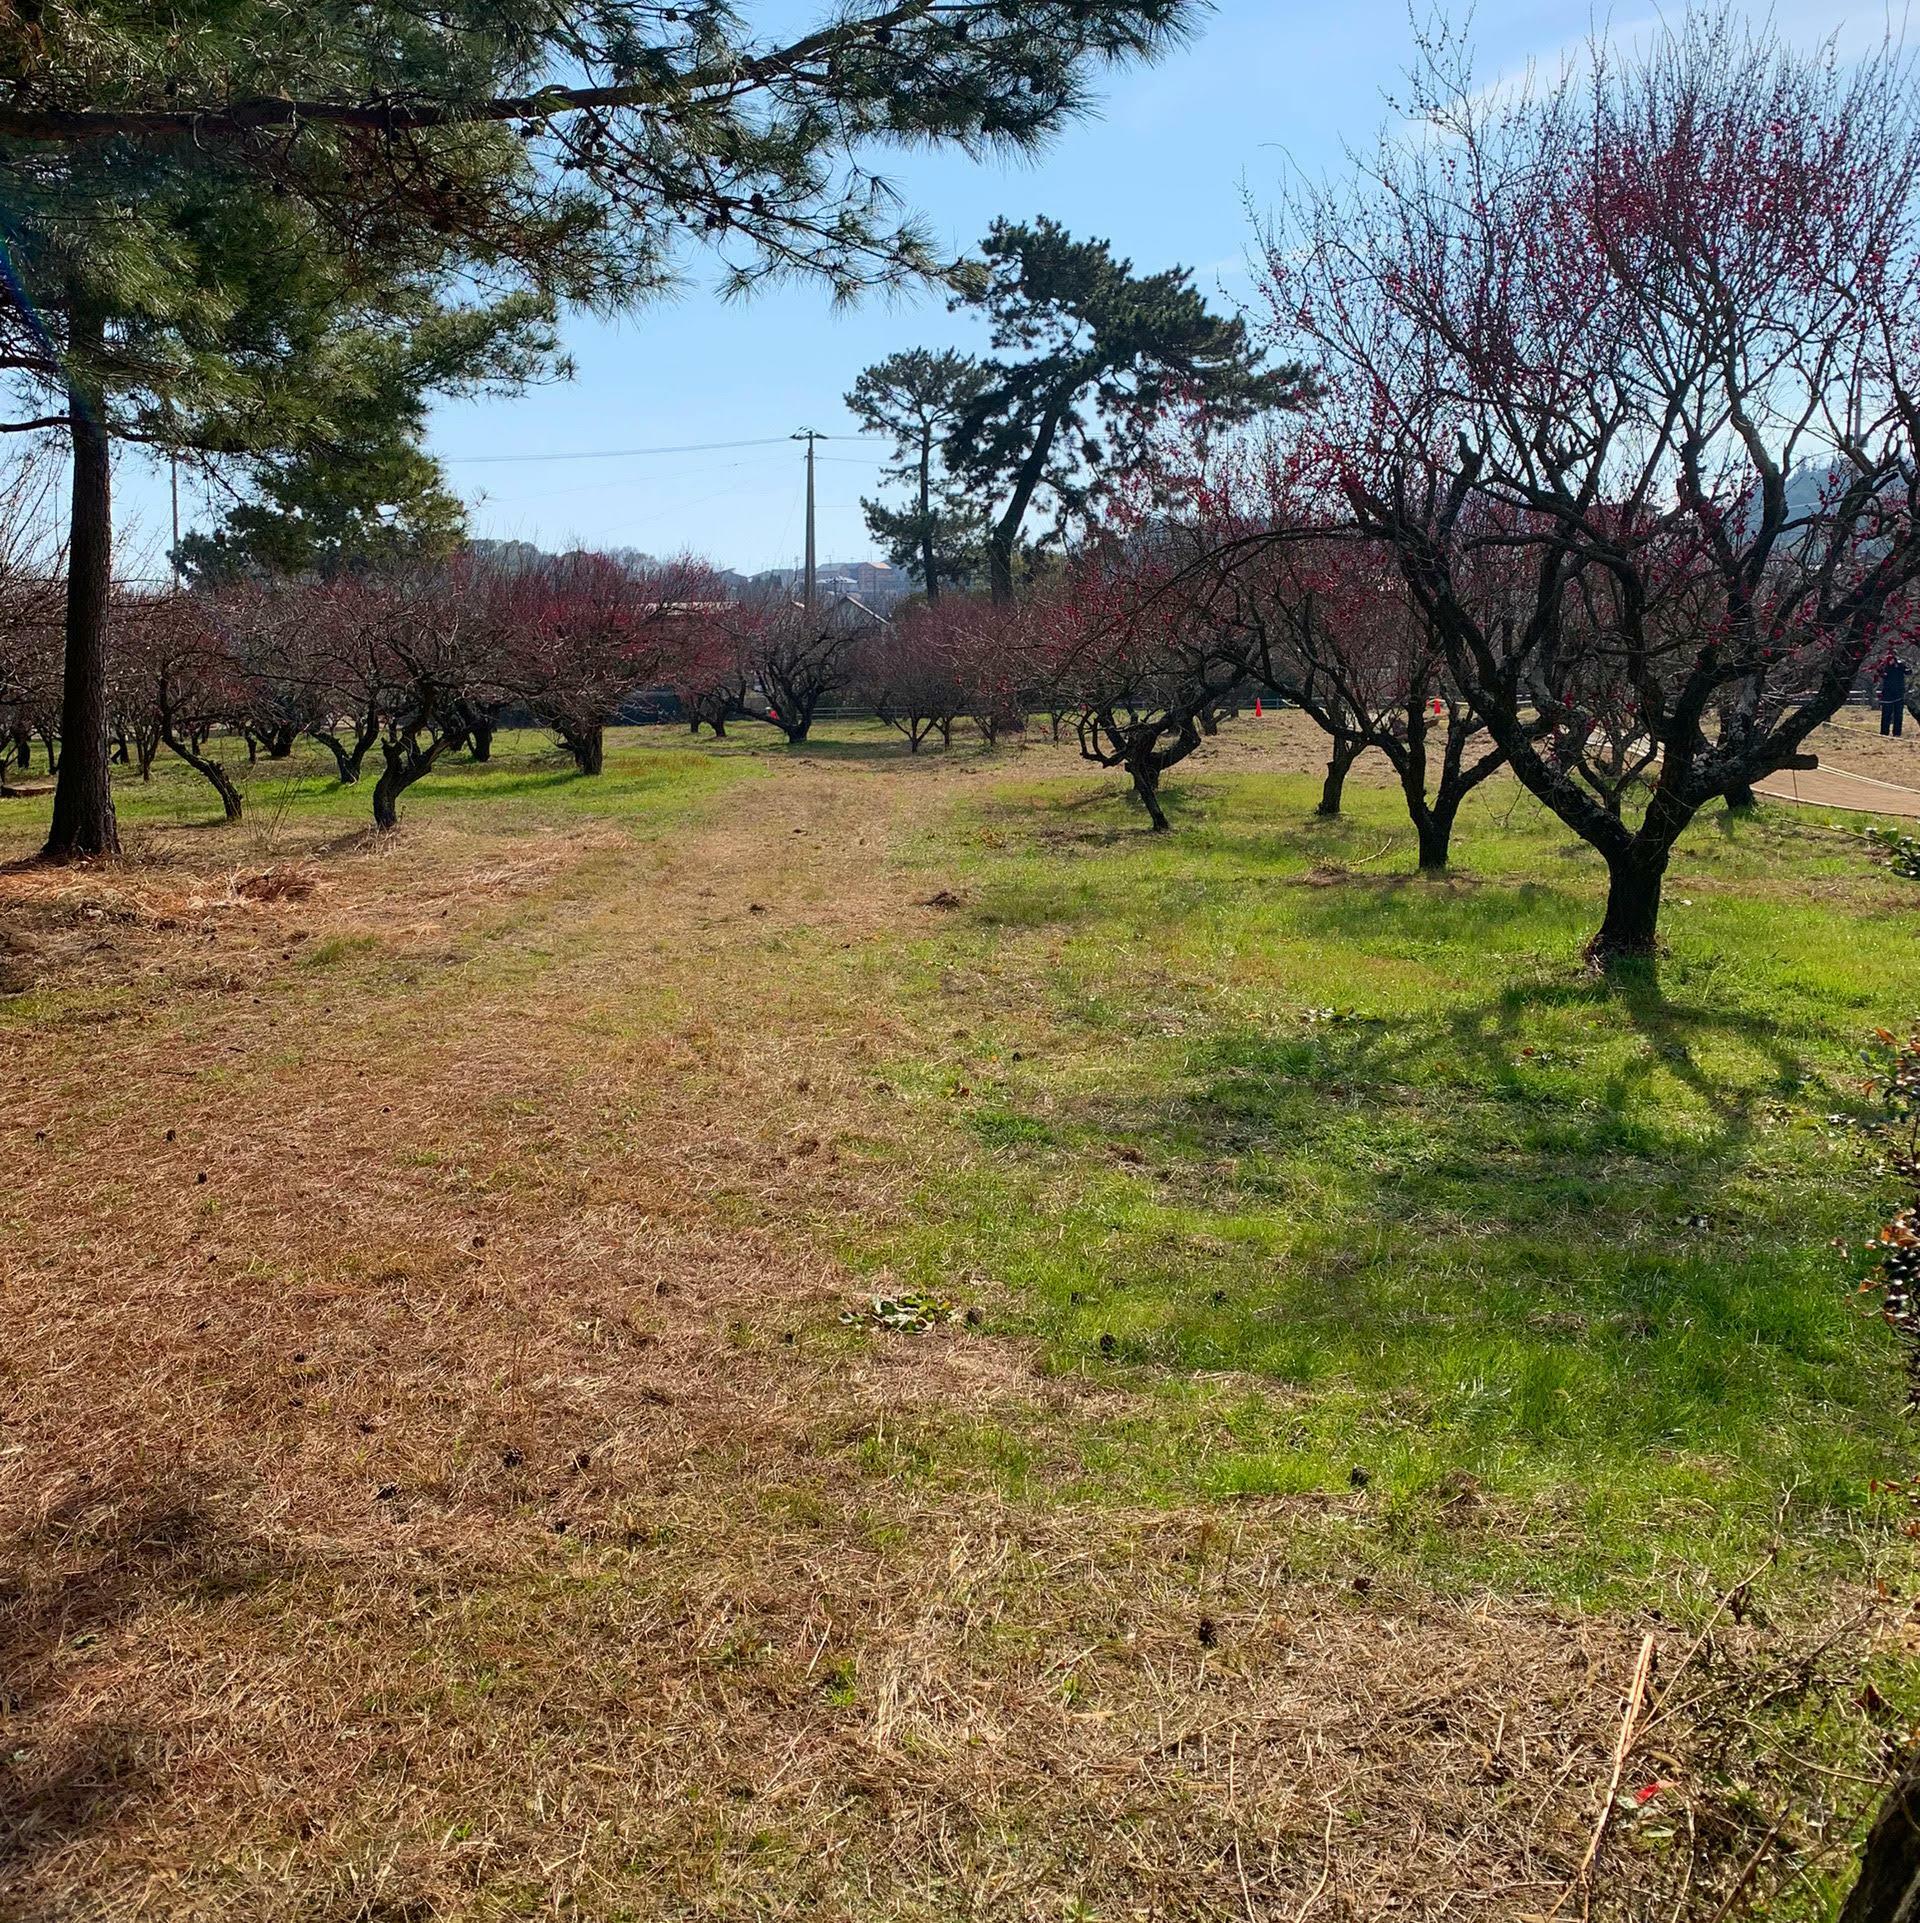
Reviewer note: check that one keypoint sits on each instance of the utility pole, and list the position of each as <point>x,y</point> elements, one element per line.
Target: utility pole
<point>809,436</point>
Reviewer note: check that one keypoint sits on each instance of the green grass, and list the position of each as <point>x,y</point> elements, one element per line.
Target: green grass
<point>527,782</point>
<point>1351,1175</point>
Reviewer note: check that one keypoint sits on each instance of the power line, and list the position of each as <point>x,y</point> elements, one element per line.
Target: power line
<point>622,453</point>
<point>632,453</point>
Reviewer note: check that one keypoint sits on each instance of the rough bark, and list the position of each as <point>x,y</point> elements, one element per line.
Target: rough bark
<point>1339,762</point>
<point>929,561</point>
<point>1629,930</point>
<point>1146,784</point>
<point>1887,1889</point>
<point>1005,532</point>
<point>84,824</point>
<point>406,761</point>
<point>587,746</point>
<point>347,760</point>
<point>1433,830</point>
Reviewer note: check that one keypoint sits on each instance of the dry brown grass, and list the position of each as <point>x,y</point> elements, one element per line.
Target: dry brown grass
<point>433,1479</point>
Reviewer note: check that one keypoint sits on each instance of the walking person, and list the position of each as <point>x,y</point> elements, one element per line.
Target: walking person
<point>1893,695</point>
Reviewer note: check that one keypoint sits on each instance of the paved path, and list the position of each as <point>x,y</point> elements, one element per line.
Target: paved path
<point>1836,788</point>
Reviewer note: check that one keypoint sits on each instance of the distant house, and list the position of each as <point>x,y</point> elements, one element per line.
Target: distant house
<point>847,613</point>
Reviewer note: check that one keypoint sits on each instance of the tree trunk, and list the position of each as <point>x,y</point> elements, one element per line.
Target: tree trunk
<point>1432,820</point>
<point>83,818</point>
<point>346,769</point>
<point>1146,784</point>
<point>1888,1887</point>
<point>480,743</point>
<point>1000,570</point>
<point>1433,829</point>
<point>1338,763</point>
<point>588,747</point>
<point>23,747</point>
<point>210,771</point>
<point>929,561</point>
<point>1741,800</point>
<point>388,789</point>
<point>406,761</point>
<point>1629,930</point>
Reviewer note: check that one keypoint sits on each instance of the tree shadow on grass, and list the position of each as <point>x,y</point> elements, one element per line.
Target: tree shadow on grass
<point>1417,1204</point>
<point>78,1772</point>
<point>827,750</point>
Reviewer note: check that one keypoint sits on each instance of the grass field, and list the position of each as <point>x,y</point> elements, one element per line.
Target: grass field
<point>449,1466</point>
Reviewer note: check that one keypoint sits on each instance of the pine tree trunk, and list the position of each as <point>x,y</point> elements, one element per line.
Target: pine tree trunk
<point>83,819</point>
<point>929,562</point>
<point>1000,570</point>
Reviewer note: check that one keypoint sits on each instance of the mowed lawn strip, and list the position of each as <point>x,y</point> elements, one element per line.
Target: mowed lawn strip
<point>1371,1185</point>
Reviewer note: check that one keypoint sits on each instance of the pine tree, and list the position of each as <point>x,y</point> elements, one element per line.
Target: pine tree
<point>1089,352</point>
<point>916,398</point>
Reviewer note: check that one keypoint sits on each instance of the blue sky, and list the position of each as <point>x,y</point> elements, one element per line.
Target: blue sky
<point>1267,86</point>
